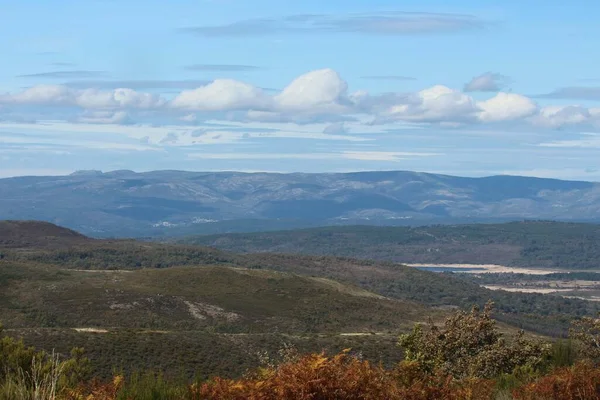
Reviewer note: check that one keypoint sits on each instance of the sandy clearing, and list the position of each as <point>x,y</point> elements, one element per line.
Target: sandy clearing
<point>590,298</point>
<point>90,330</point>
<point>100,270</point>
<point>487,268</point>
<point>526,289</point>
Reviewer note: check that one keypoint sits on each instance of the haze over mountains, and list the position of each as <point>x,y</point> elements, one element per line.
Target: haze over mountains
<point>169,202</point>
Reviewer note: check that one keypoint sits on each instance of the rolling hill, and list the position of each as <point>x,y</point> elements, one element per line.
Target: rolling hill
<point>189,308</point>
<point>125,203</point>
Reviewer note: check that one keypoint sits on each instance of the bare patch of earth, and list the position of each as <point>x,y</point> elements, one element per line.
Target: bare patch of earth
<point>201,311</point>
<point>486,268</point>
<point>526,289</point>
<point>91,330</point>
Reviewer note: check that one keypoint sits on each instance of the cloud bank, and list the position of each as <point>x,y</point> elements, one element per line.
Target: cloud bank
<point>321,96</point>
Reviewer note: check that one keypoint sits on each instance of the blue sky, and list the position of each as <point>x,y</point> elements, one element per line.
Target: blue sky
<point>464,87</point>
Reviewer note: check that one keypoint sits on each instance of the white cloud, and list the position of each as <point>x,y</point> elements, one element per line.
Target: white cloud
<point>222,95</point>
<point>435,104</point>
<point>559,116</point>
<point>58,95</point>
<point>317,91</point>
<point>319,96</point>
<point>506,107</point>
<point>41,94</point>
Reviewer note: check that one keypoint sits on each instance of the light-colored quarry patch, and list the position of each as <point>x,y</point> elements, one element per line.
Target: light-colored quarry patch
<point>201,311</point>
<point>487,268</point>
<point>91,330</point>
<point>356,334</point>
<point>526,289</point>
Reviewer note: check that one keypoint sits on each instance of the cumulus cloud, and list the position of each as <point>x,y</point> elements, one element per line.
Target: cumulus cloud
<point>321,96</point>
<point>221,95</point>
<point>59,95</point>
<point>322,90</point>
<point>506,107</point>
<point>564,116</point>
<point>435,104</point>
<point>118,98</point>
<point>488,82</point>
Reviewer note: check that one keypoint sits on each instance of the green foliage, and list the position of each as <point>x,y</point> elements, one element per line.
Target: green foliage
<point>152,386</point>
<point>525,244</point>
<point>470,345</point>
<point>586,331</point>
<point>26,373</point>
<point>563,353</point>
<point>15,356</point>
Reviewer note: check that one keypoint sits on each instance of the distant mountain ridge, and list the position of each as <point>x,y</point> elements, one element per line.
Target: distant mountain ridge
<point>161,202</point>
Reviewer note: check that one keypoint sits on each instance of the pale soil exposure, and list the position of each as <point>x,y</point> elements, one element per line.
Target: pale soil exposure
<point>91,330</point>
<point>488,268</point>
<point>526,289</point>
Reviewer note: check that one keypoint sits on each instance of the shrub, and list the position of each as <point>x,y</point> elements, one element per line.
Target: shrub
<point>470,345</point>
<point>29,374</point>
<point>344,377</point>
<point>586,331</point>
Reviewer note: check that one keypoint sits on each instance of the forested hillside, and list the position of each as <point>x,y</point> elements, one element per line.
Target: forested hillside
<point>523,244</point>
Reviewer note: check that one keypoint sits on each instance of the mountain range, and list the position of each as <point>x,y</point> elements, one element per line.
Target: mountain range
<point>126,203</point>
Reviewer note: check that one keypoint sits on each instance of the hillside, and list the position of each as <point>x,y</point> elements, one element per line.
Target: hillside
<point>226,300</point>
<point>200,310</point>
<point>37,234</point>
<point>124,203</point>
<point>521,244</point>
<point>535,312</point>
<point>215,318</point>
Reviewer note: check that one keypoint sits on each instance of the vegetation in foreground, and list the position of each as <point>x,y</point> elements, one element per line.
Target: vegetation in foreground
<point>466,357</point>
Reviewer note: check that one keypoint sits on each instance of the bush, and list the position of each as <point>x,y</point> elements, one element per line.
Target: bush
<point>29,374</point>
<point>586,331</point>
<point>470,345</point>
<point>344,377</point>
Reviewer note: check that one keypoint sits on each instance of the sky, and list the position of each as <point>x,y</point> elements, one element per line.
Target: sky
<point>469,88</point>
